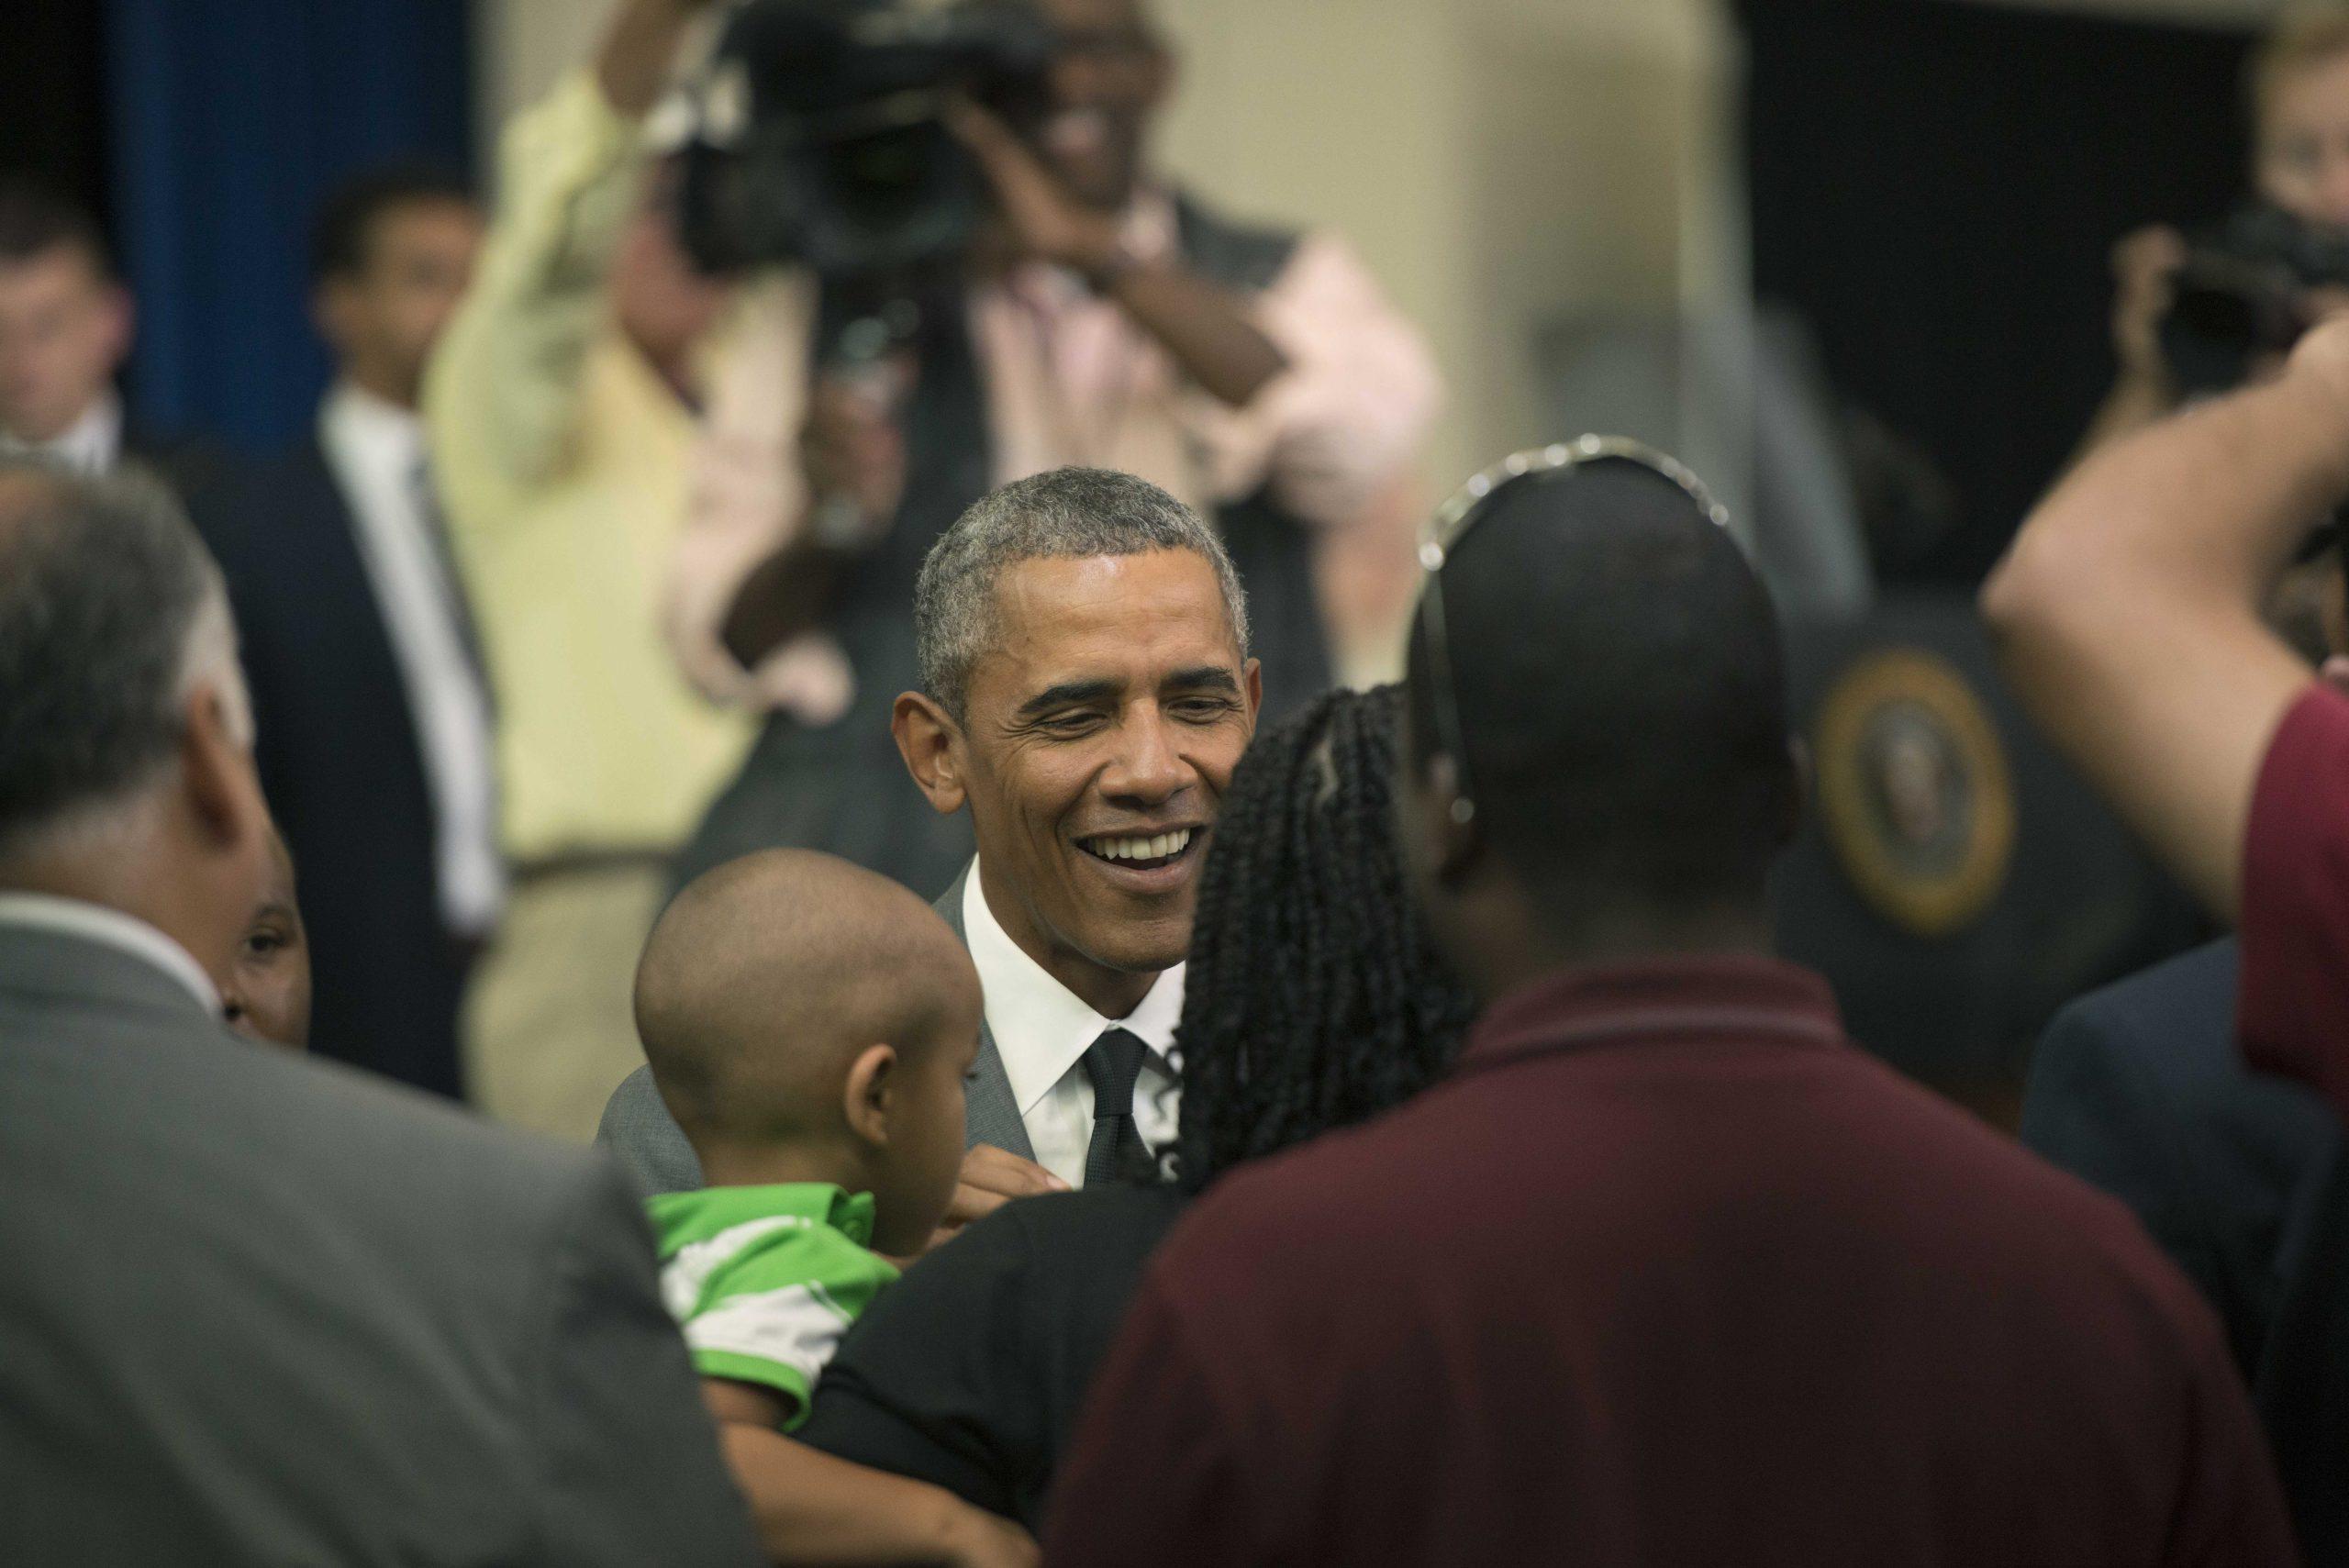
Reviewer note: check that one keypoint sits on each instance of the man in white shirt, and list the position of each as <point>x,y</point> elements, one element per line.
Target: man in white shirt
<point>65,327</point>
<point>1086,692</point>
<point>376,721</point>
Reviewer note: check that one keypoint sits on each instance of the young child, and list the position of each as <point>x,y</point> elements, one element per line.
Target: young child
<point>809,1024</point>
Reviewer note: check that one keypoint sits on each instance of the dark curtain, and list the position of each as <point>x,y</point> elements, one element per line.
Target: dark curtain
<point>230,119</point>
<point>1937,186</point>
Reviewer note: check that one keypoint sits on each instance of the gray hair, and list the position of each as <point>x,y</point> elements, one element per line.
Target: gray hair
<point>111,612</point>
<point>1066,514</point>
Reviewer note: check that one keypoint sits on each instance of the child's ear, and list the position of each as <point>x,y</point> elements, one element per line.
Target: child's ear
<point>872,1086</point>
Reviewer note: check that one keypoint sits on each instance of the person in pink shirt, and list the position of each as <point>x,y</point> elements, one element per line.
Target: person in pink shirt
<point>1106,320</point>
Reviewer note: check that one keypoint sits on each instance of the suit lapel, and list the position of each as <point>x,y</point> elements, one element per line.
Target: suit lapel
<point>990,1114</point>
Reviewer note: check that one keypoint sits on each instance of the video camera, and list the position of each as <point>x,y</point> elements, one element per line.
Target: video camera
<point>2241,295</point>
<point>822,141</point>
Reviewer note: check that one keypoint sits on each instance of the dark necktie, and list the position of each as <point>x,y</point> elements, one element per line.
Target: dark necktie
<point>452,586</point>
<point>1112,1064</point>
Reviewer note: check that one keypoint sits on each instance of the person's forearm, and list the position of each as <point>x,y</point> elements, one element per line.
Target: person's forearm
<point>1202,325</point>
<point>808,1506</point>
<point>2134,402</point>
<point>788,593</point>
<point>2200,510</point>
<point>2128,612</point>
<point>639,50</point>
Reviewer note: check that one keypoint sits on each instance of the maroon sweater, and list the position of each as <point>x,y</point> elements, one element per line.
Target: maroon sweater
<point>1668,1272</point>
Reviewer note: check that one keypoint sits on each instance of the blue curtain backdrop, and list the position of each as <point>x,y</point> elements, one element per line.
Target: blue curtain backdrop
<point>231,119</point>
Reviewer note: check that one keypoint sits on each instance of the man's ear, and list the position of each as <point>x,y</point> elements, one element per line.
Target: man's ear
<point>871,1088</point>
<point>217,763</point>
<point>1451,832</point>
<point>1797,789</point>
<point>930,742</point>
<point>1251,684</point>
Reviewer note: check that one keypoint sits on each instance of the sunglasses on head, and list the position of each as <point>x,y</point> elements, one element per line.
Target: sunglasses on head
<point>1470,505</point>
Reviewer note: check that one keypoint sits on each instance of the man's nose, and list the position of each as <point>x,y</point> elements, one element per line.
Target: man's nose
<point>1079,79</point>
<point>1147,767</point>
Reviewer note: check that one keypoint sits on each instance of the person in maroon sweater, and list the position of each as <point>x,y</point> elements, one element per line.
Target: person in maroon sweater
<point>1668,1272</point>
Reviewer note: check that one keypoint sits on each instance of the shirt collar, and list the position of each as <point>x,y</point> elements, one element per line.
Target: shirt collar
<point>373,427</point>
<point>89,445</point>
<point>112,928</point>
<point>711,1210</point>
<point>1041,1028</point>
<point>1660,1000</point>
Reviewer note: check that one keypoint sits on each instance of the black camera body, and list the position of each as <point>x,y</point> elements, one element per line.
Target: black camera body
<point>822,141</point>
<point>2240,296</point>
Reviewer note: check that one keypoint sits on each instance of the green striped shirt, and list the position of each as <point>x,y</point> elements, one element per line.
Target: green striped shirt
<point>765,1280</point>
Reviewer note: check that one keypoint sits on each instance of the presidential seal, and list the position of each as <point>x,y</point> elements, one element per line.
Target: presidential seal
<point>1914,791</point>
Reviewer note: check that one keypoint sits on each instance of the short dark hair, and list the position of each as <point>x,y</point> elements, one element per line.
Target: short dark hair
<point>1064,514</point>
<point>35,220</point>
<point>101,582</point>
<point>345,227</point>
<point>1622,694</point>
<point>1313,998</point>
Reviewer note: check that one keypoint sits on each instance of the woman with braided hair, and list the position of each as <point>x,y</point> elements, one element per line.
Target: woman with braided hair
<point>1313,1001</point>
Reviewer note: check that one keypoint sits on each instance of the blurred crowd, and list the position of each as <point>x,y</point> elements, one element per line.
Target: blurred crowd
<point>1069,1058</point>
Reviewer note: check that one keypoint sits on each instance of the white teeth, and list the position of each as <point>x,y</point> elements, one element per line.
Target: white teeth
<point>1155,848</point>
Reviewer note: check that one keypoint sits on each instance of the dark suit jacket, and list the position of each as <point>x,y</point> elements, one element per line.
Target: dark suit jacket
<point>639,1129</point>
<point>256,1309</point>
<point>344,770</point>
<point>2139,1089</point>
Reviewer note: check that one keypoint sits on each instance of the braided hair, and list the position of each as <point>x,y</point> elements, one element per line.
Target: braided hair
<point>1313,999</point>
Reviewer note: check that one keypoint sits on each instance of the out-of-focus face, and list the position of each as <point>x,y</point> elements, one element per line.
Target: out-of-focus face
<point>2304,136</point>
<point>384,319</point>
<point>1108,78</point>
<point>926,1127</point>
<point>267,993</point>
<point>1099,734</point>
<point>664,305</point>
<point>64,331</point>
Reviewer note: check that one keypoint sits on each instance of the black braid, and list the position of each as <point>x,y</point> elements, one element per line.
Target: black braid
<point>1313,999</point>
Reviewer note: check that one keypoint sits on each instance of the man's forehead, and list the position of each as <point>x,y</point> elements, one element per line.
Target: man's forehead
<point>61,267</point>
<point>1163,605</point>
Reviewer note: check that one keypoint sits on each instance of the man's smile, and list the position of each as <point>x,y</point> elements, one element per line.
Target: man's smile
<point>1152,855</point>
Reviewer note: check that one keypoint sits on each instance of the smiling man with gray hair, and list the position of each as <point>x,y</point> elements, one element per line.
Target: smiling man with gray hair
<point>255,1306</point>
<point>1086,690</point>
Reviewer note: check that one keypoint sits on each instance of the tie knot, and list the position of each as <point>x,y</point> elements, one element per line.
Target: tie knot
<point>1111,1065</point>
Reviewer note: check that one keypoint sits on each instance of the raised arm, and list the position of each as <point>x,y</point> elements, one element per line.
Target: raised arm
<point>2128,609</point>
<point>503,391</point>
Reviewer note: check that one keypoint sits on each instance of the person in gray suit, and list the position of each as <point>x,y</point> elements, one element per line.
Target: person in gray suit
<point>256,1307</point>
<point>1086,691</point>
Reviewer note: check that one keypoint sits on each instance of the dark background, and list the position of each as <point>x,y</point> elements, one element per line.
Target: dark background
<point>204,133</point>
<point>1937,187</point>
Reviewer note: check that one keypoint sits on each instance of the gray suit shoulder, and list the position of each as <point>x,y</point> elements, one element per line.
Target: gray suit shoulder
<point>294,1314</point>
<point>639,1131</point>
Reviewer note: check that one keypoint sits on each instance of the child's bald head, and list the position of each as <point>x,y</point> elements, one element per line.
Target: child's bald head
<point>767,978</point>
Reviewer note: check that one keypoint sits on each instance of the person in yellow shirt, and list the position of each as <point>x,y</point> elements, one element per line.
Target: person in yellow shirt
<point>559,410</point>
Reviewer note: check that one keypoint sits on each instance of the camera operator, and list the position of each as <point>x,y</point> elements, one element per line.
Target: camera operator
<point>1102,319</point>
<point>2298,82</point>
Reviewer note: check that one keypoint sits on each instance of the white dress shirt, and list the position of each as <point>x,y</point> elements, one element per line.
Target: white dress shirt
<point>1042,1031</point>
<point>92,444</point>
<point>376,451</point>
<point>112,928</point>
